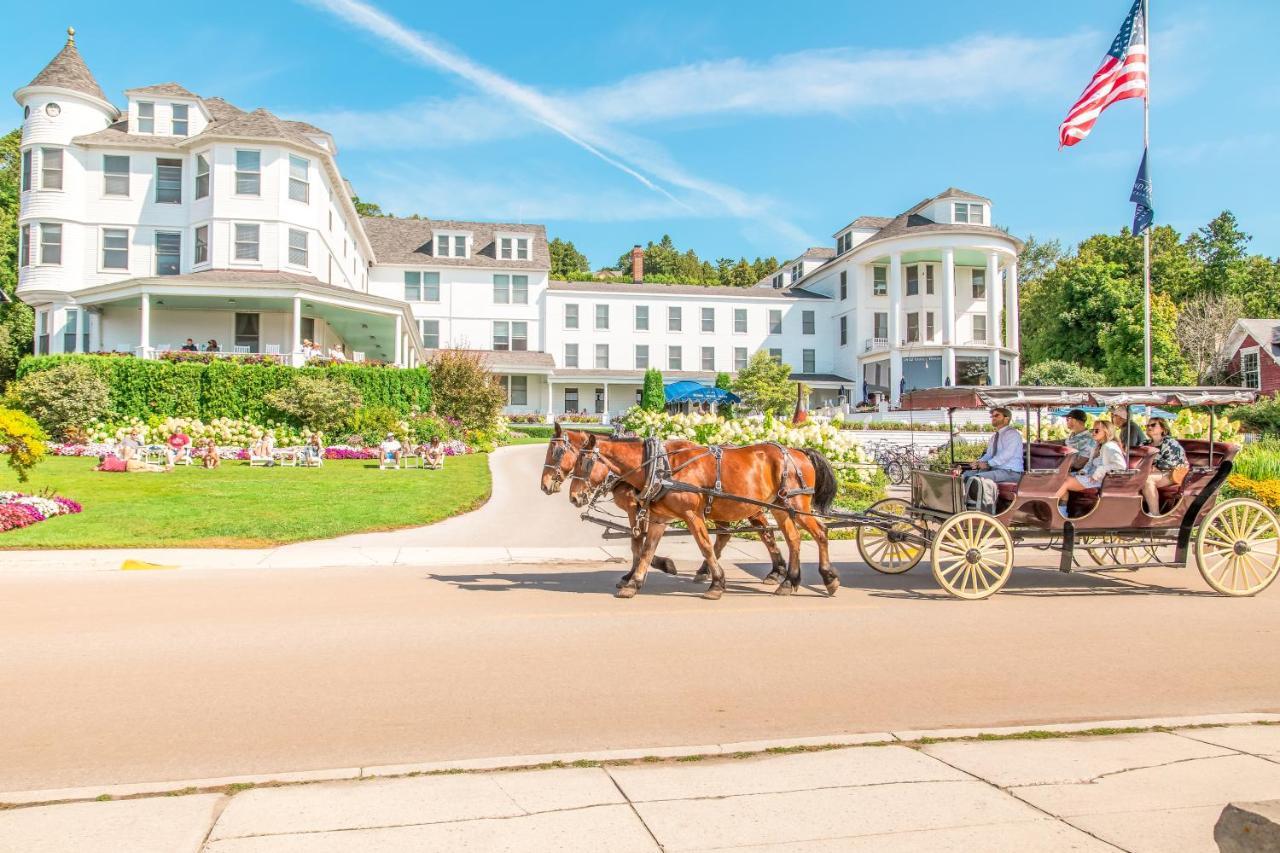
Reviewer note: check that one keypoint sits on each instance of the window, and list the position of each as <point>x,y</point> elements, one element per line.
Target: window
<point>115,175</point>
<point>413,287</point>
<point>248,172</point>
<point>168,252</point>
<point>146,117</point>
<point>510,336</point>
<point>522,248</point>
<point>777,282</point>
<point>42,333</point>
<point>502,335</point>
<point>775,353</point>
<point>520,336</point>
<point>517,388</point>
<point>928,279</point>
<point>708,358</point>
<point>445,242</point>
<point>928,326</point>
<point>602,356</point>
<point>519,290</point>
<point>50,243</point>
<point>674,323</point>
<point>298,254</point>
<point>913,280</point>
<point>168,181</point>
<point>970,212</point>
<point>979,283</point>
<point>430,286</point>
<point>571,316</point>
<point>808,361</point>
<point>880,325</point>
<point>26,170</point>
<point>642,318</point>
<point>570,355</point>
<point>571,399</point>
<point>422,287</point>
<point>115,249</point>
<point>246,242</point>
<point>795,273</point>
<point>24,247</point>
<point>642,356</point>
<point>740,320</point>
<point>179,119</point>
<point>247,326</point>
<point>84,331</point>
<point>514,248</point>
<point>844,284</point>
<point>442,246</point>
<point>602,316</point>
<point>502,290</point>
<point>430,332</point>
<point>299,182</point>
<point>775,321</point>
<point>844,242</point>
<point>675,358</point>
<point>201,255</point>
<point>1250,371</point>
<point>50,168</point>
<point>739,358</point>
<point>69,330</point>
<point>980,328</point>
<point>913,327</point>
<point>708,319</point>
<point>844,331</point>
<point>879,281</point>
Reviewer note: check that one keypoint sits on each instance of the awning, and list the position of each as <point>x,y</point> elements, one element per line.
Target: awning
<point>987,396</point>
<point>689,391</point>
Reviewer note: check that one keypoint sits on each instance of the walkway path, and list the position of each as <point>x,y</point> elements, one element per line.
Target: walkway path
<point>1146,792</point>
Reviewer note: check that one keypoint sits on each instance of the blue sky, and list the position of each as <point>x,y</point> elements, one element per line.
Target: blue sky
<point>738,128</point>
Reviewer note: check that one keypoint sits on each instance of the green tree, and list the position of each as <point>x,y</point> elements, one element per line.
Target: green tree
<point>319,403</point>
<point>1122,344</point>
<point>725,383</point>
<point>653,398</point>
<point>566,260</point>
<point>1222,249</point>
<point>367,208</point>
<point>63,399</point>
<point>17,320</point>
<point>1062,373</point>
<point>664,262</point>
<point>463,388</point>
<point>1037,258</point>
<point>764,385</point>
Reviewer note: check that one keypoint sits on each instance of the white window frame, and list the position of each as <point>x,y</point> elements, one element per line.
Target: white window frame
<point>809,361</point>
<point>974,284</point>
<point>46,171</point>
<point>301,184</point>
<point>102,249</point>
<point>844,330</point>
<point>740,328</point>
<point>423,333</point>
<point>444,244</point>
<point>155,244</point>
<point>635,318</point>
<point>980,319</point>
<point>195,245</point>
<point>907,331</point>
<point>596,312</point>
<point>147,117</point>
<point>675,318</point>
<point>501,289</point>
<point>705,315</point>
<point>519,290</point>
<point>106,176</point>
<point>675,357</point>
<point>169,163</point>
<point>45,226</point>
<point>967,213</point>
<point>775,314</point>
<point>740,358</point>
<point>808,322</point>
<point>247,174</point>
<point>711,351</point>
<point>642,363</point>
<point>236,242</point>
<point>204,180</point>
<point>305,248</point>
<point>577,320</point>
<point>505,327</point>
<point>571,354</point>
<point>601,363</point>
<point>28,167</point>
<point>174,120</point>
<point>512,247</point>
<point>879,287</point>
<point>1256,354</point>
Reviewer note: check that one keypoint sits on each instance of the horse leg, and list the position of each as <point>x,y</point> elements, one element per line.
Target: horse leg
<point>792,536</point>
<point>703,538</point>
<point>818,531</point>
<point>651,539</point>
<point>770,544</point>
<point>627,503</point>
<point>704,571</point>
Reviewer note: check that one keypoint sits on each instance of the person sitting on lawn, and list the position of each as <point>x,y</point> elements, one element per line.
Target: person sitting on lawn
<point>391,450</point>
<point>264,448</point>
<point>130,447</point>
<point>209,455</point>
<point>433,453</point>
<point>313,450</point>
<point>179,448</point>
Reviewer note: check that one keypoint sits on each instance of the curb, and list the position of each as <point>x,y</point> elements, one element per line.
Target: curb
<point>519,762</point>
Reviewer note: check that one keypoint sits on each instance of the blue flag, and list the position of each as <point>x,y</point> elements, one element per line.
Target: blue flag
<point>1141,196</point>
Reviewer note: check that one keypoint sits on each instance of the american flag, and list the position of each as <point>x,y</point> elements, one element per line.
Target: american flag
<point>1123,74</point>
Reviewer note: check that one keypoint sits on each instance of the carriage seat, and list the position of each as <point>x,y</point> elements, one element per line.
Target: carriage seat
<point>1197,450</point>
<point>1080,503</point>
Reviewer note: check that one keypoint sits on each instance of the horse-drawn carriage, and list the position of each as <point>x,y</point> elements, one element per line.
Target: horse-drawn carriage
<point>1235,542</point>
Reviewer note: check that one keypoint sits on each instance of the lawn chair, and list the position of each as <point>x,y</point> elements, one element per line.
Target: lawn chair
<point>357,357</point>
<point>289,457</point>
<point>311,461</point>
<point>238,350</point>
<point>264,461</point>
<point>411,458</point>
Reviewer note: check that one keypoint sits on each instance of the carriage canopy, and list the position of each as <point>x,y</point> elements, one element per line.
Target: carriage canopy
<point>988,396</point>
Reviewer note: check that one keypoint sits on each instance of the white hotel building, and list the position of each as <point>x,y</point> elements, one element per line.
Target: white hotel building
<point>180,216</point>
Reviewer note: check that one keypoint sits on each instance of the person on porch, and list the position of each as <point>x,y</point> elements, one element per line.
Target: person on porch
<point>190,346</point>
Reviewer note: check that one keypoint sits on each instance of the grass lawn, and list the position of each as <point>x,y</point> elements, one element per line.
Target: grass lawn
<point>236,506</point>
<point>528,439</point>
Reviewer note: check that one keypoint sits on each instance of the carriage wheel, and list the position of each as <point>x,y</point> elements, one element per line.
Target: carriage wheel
<point>1238,547</point>
<point>972,555</point>
<point>881,549</point>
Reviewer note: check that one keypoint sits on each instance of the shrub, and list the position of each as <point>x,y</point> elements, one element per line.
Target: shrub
<point>317,402</point>
<point>1259,460</point>
<point>653,398</point>
<point>463,388</point>
<point>425,426</point>
<point>22,438</point>
<point>1266,492</point>
<point>68,397</point>
<point>965,451</point>
<point>858,490</point>
<point>764,385</point>
<point>1055,372</point>
<point>372,423</point>
<point>1260,417</point>
<point>542,431</point>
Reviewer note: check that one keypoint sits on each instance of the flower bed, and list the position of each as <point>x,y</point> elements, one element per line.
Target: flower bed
<point>20,510</point>
<point>453,447</point>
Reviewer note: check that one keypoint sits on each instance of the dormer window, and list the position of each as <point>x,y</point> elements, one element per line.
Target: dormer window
<point>450,245</point>
<point>970,212</point>
<point>146,117</point>
<point>844,242</point>
<point>513,248</point>
<point>180,123</point>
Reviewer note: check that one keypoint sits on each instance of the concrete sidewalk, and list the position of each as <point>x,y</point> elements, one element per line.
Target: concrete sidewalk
<point>1154,790</point>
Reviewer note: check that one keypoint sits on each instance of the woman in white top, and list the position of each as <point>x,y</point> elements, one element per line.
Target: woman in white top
<point>1108,456</point>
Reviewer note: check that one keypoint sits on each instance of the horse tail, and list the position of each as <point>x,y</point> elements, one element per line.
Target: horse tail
<point>824,481</point>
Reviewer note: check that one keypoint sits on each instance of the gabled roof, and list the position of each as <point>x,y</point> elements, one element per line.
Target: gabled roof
<point>68,71</point>
<point>1261,330</point>
<point>164,89</point>
<point>819,252</point>
<point>410,241</point>
<point>913,222</point>
<point>866,222</point>
<point>956,192</point>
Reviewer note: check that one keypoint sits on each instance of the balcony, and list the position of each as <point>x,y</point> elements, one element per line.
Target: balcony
<point>875,344</point>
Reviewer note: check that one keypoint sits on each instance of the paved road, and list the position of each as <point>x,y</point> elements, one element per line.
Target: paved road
<point>143,676</point>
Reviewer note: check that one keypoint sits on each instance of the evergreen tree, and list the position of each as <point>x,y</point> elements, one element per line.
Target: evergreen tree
<point>764,385</point>
<point>653,398</point>
<point>17,320</point>
<point>566,260</point>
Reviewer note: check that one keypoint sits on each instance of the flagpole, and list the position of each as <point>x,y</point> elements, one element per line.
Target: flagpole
<point>1146,233</point>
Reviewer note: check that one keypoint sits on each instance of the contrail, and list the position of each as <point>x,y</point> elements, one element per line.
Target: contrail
<point>530,101</point>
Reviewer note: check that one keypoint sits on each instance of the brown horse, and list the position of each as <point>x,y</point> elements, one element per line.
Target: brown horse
<point>562,454</point>
<point>792,482</point>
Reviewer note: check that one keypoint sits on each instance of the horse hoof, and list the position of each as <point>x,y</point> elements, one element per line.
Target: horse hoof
<point>626,592</point>
<point>702,575</point>
<point>784,588</point>
<point>832,585</point>
<point>772,578</point>
<point>713,594</point>
<point>665,565</point>
<point>622,581</point>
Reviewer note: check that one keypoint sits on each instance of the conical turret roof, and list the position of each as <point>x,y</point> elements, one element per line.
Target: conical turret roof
<point>68,71</point>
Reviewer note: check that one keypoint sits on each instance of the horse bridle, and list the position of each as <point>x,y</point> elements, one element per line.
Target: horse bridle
<point>559,446</point>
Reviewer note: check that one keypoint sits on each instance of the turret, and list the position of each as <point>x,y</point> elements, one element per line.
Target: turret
<point>64,100</point>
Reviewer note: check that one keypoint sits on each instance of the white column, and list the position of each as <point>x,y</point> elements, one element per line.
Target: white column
<point>606,398</point>
<point>399,341</point>
<point>993,316</point>
<point>948,316</point>
<point>297,326</point>
<point>895,326</point>
<point>1014,337</point>
<point>144,327</point>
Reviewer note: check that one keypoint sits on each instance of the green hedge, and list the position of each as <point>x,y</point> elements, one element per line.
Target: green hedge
<point>227,388</point>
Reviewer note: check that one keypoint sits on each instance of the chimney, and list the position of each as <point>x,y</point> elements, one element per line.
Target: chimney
<point>637,264</point>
